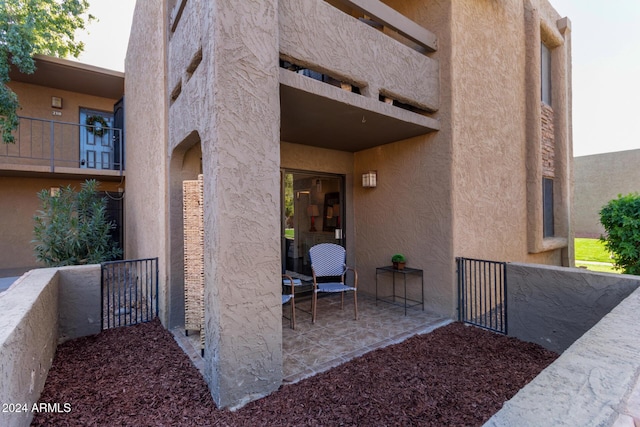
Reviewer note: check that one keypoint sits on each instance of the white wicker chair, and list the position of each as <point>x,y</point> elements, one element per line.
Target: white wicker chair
<point>329,260</point>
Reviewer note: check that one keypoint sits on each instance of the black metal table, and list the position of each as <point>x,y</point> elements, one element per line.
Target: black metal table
<point>392,299</point>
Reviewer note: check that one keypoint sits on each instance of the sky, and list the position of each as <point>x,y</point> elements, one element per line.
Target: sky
<point>606,73</point>
<point>606,65</point>
<point>106,38</point>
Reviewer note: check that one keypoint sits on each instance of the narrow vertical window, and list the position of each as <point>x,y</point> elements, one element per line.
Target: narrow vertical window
<point>545,73</point>
<point>547,207</point>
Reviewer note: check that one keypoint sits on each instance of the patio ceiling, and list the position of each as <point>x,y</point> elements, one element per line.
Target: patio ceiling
<point>321,115</point>
<point>73,76</point>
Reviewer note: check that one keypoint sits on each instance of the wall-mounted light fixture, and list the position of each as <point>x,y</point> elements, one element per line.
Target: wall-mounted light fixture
<point>56,102</point>
<point>369,179</point>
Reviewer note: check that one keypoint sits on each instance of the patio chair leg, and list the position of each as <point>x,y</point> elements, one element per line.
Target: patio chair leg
<point>355,303</point>
<point>293,312</point>
<point>341,300</point>
<point>314,303</point>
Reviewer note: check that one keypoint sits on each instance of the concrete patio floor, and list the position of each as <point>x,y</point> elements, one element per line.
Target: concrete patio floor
<point>336,337</point>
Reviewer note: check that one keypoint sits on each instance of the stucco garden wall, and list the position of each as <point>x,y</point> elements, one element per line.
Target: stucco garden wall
<point>42,308</point>
<point>28,339</point>
<point>598,179</point>
<point>80,303</point>
<point>595,382</point>
<point>554,306</point>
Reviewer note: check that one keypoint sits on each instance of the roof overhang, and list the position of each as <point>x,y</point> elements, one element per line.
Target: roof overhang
<point>318,114</point>
<point>73,76</point>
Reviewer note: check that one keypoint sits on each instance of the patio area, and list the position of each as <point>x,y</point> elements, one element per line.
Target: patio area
<point>335,338</point>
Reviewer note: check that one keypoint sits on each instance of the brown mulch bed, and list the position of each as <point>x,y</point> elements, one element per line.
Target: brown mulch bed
<point>139,376</point>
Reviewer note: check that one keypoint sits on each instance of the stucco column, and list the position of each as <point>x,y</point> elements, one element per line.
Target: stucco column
<point>241,160</point>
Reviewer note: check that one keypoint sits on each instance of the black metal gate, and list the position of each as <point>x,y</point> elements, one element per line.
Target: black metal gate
<point>129,292</point>
<point>482,293</point>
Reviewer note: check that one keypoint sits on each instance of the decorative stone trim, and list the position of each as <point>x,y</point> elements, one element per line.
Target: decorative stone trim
<point>547,141</point>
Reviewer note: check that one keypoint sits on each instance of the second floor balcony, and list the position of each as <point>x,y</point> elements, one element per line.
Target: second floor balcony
<point>361,66</point>
<point>44,147</point>
<point>354,74</point>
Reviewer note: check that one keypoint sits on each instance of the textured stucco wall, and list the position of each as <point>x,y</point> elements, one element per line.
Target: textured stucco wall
<point>488,131</point>
<point>313,33</point>
<point>410,211</point>
<point>42,308</point>
<point>554,306</point>
<point>80,303</point>
<point>461,191</point>
<point>490,126</point>
<point>146,122</point>
<point>595,382</point>
<point>28,339</point>
<point>224,91</point>
<point>241,165</point>
<point>598,179</point>
<point>19,202</point>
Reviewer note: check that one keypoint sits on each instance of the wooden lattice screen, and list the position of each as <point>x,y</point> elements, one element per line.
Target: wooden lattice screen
<point>193,257</point>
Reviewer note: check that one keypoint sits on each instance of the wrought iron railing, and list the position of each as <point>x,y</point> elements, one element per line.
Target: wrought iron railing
<point>482,293</point>
<point>54,144</point>
<point>129,292</point>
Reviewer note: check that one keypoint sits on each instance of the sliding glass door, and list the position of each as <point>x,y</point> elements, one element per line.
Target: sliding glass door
<point>312,213</point>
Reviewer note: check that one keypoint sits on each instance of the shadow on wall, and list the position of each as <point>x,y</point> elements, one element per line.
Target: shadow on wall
<point>554,306</point>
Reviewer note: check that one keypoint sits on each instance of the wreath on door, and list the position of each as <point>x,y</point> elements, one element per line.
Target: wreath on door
<point>97,125</point>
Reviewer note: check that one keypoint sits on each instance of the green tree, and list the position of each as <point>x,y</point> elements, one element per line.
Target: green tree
<point>621,221</point>
<point>28,27</point>
<point>72,228</point>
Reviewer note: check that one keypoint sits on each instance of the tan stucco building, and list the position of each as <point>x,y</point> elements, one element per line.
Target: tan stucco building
<point>54,147</point>
<point>462,108</point>
<point>600,178</point>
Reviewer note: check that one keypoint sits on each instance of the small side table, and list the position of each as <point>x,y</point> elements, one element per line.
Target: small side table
<point>391,299</point>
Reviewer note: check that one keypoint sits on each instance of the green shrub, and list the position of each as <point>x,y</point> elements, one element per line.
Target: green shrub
<point>72,228</point>
<point>621,220</point>
<point>398,258</point>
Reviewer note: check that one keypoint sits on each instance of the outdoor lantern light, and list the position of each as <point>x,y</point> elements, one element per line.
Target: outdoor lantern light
<point>369,179</point>
<point>56,102</point>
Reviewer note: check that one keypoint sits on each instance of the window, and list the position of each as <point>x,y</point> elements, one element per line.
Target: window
<point>545,73</point>
<point>547,208</point>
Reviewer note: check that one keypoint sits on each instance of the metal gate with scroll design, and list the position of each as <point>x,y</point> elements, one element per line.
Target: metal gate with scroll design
<point>129,292</point>
<point>482,293</point>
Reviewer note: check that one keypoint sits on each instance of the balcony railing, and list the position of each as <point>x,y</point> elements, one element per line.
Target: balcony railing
<point>54,146</point>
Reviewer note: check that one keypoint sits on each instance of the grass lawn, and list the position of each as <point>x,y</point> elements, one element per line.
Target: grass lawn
<point>593,250</point>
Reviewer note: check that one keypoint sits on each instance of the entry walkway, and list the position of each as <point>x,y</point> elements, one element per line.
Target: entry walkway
<point>335,338</point>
